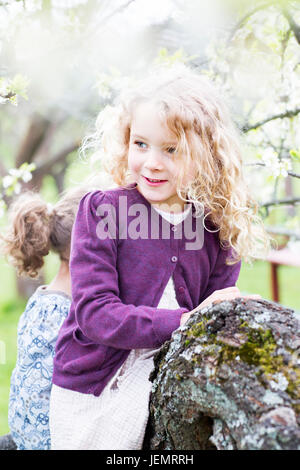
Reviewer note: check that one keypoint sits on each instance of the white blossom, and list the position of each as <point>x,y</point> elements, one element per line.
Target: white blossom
<point>277,167</point>
<point>67,3</point>
<point>32,6</point>
<point>27,176</point>
<point>16,172</point>
<point>7,181</point>
<point>270,157</point>
<point>17,188</point>
<point>15,8</point>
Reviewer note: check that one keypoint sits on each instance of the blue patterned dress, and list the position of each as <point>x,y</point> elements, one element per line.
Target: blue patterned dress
<point>28,413</point>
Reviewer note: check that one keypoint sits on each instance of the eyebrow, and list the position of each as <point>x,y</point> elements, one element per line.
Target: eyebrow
<point>136,136</point>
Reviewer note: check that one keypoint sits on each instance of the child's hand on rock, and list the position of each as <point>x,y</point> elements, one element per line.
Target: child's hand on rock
<point>217,296</point>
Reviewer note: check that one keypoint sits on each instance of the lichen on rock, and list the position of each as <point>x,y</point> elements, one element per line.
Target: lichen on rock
<point>229,379</point>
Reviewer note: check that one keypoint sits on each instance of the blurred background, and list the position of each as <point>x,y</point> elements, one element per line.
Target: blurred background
<point>62,61</point>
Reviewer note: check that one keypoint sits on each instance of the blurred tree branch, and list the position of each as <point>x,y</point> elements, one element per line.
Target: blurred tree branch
<point>32,140</point>
<point>286,114</point>
<point>290,173</point>
<point>248,15</point>
<point>115,11</point>
<point>286,201</point>
<point>7,96</point>
<point>106,18</point>
<point>59,157</point>
<point>293,25</point>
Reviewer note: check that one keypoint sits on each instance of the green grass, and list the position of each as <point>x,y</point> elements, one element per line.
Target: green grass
<point>255,279</point>
<point>9,316</point>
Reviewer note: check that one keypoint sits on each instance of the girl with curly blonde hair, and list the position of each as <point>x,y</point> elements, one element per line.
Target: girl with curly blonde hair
<point>206,140</point>
<point>171,149</point>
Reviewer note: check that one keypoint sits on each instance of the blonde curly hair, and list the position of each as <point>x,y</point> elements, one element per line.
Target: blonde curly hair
<point>206,137</point>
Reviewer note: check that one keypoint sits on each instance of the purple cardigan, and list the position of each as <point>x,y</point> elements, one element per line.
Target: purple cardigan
<point>117,283</point>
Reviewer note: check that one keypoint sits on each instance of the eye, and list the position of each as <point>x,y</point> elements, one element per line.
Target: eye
<point>140,144</point>
<point>171,149</point>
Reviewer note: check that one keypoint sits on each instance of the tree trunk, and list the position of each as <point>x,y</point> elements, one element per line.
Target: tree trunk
<point>228,379</point>
<point>32,140</point>
<point>35,144</point>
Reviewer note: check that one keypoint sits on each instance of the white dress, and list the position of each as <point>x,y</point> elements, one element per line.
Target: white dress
<point>117,419</point>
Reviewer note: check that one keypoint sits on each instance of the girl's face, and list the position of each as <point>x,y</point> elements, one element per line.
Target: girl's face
<point>151,158</point>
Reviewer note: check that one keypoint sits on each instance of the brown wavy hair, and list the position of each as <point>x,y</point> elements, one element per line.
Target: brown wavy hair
<point>206,137</point>
<point>35,228</point>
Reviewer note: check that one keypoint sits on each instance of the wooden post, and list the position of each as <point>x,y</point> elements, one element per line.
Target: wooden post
<point>274,282</point>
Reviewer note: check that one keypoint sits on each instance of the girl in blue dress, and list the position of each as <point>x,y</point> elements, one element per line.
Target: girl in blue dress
<point>36,228</point>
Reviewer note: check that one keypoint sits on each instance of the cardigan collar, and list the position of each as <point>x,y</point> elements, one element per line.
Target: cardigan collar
<point>139,197</point>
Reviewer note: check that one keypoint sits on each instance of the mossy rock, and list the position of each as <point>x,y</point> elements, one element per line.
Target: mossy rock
<point>229,379</point>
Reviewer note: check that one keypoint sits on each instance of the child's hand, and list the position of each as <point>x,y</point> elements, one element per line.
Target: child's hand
<point>217,296</point>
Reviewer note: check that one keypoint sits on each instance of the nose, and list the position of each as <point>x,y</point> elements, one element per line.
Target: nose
<point>154,160</point>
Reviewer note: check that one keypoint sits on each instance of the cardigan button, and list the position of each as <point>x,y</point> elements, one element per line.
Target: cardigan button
<point>181,289</point>
<point>174,228</point>
<point>174,259</point>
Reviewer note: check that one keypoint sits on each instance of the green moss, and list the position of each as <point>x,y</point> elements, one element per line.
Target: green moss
<point>198,329</point>
<point>256,351</point>
<point>294,385</point>
<point>259,351</point>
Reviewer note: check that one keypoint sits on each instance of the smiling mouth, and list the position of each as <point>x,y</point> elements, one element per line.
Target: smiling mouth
<point>154,180</point>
